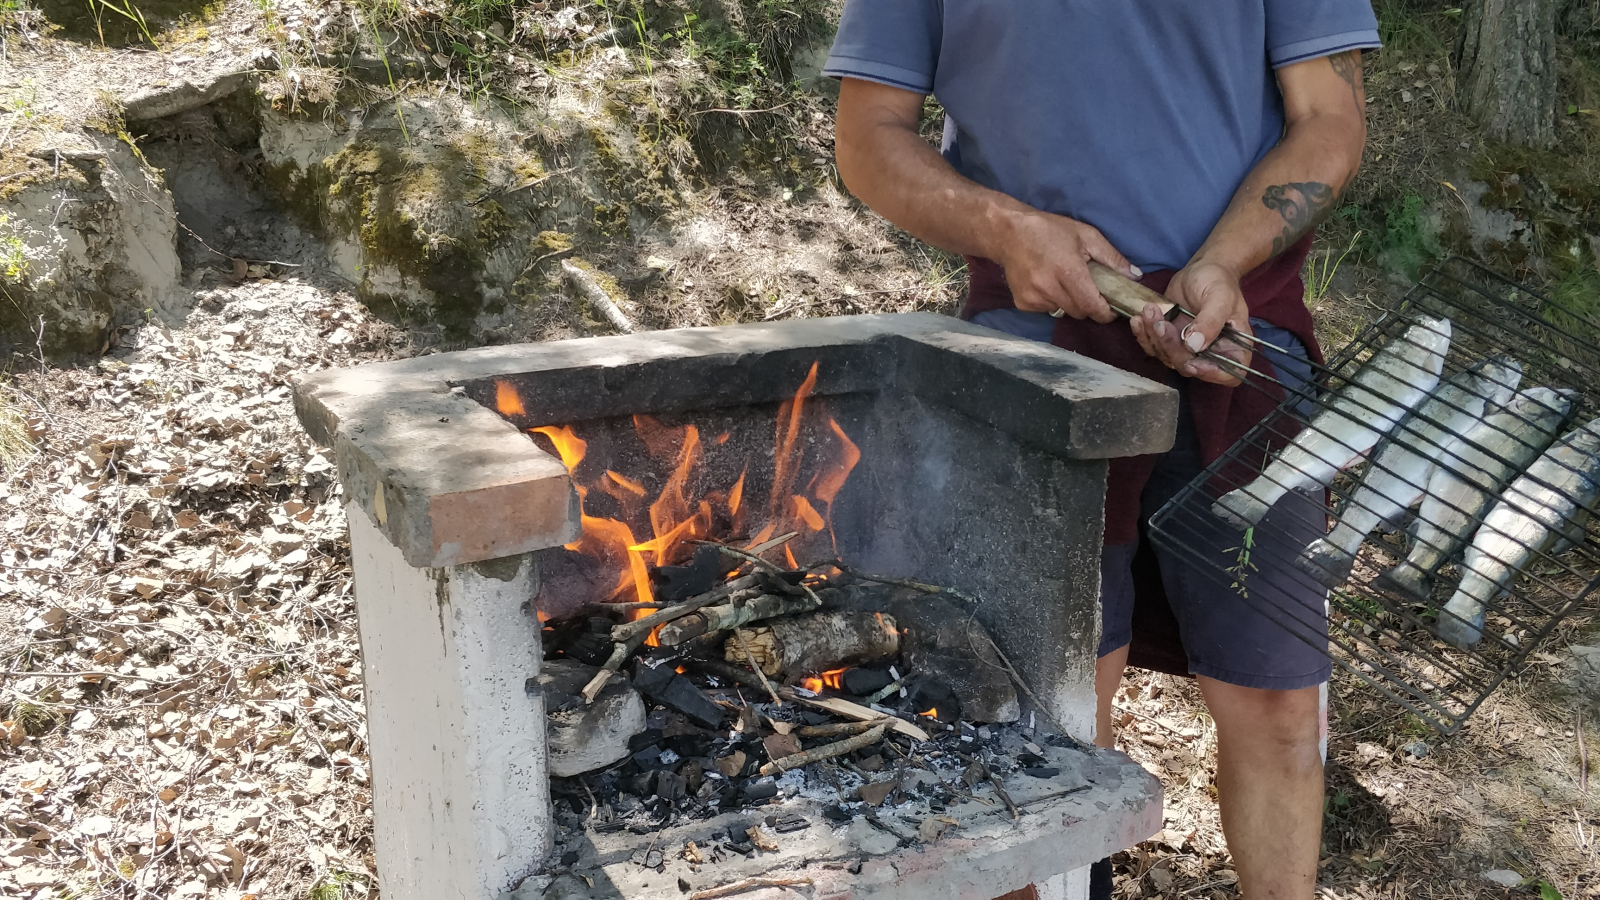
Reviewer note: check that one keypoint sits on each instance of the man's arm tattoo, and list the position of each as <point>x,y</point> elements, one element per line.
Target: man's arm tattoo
<point>1301,204</point>
<point>1348,67</point>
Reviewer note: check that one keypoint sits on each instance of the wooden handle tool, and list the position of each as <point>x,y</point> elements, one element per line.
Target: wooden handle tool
<point>1126,296</point>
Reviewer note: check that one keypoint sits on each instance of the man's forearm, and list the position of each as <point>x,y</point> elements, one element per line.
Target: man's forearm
<point>894,171</point>
<point>1293,188</point>
<point>1297,184</point>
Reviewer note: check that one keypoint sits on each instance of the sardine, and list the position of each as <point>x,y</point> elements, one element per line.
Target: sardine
<point>1399,473</point>
<point>1547,506</point>
<point>1468,479</point>
<point>1368,407</point>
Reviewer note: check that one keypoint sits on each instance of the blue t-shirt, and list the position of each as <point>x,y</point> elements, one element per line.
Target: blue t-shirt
<point>1140,117</point>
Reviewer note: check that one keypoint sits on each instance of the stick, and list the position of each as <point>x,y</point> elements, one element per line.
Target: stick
<point>748,884</point>
<point>627,630</point>
<point>774,568</point>
<point>835,729</point>
<point>826,751</point>
<point>1583,757</point>
<point>619,655</point>
<point>754,667</point>
<point>901,582</point>
<point>725,618</point>
<point>858,712</point>
<point>591,290</point>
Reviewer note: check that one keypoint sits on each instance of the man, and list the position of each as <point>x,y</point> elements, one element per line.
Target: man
<point>1196,142</point>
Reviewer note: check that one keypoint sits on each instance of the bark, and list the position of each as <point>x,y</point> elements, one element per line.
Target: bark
<point>805,645</point>
<point>1507,69</point>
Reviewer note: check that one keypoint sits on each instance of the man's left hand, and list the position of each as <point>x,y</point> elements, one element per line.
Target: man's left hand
<point>1211,291</point>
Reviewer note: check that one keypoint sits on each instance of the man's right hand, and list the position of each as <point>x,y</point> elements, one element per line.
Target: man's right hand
<point>1046,258</point>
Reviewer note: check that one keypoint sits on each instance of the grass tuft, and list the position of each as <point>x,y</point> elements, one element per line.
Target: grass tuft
<point>15,442</point>
<point>337,884</point>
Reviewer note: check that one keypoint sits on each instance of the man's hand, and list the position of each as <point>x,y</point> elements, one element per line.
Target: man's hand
<point>1046,262</point>
<point>1211,291</point>
<point>884,161</point>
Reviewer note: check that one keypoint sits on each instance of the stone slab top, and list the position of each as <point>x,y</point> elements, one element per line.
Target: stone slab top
<point>451,481</point>
<point>1096,804</point>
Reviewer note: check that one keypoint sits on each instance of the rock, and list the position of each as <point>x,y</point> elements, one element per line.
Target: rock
<point>584,738</point>
<point>1417,749</point>
<point>1585,674</point>
<point>97,246</point>
<point>1503,877</point>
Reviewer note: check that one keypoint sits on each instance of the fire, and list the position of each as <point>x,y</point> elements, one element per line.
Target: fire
<point>831,679</point>
<point>645,527</point>
<point>932,713</point>
<point>506,399</point>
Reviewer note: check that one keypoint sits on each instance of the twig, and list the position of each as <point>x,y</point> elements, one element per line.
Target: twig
<point>1583,757</point>
<point>725,618</point>
<point>835,729</point>
<point>826,751</point>
<point>619,654</point>
<point>627,630</point>
<point>999,789</point>
<point>726,670</point>
<point>858,712</point>
<point>771,567</point>
<point>597,296</point>
<point>748,884</point>
<point>901,582</point>
<point>756,668</point>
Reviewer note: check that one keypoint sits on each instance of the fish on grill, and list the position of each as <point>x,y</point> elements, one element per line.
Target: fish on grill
<point>1468,479</point>
<point>1384,389</point>
<point>1399,474</point>
<point>1546,506</point>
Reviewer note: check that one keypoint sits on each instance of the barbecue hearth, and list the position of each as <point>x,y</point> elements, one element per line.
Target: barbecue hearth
<point>911,447</point>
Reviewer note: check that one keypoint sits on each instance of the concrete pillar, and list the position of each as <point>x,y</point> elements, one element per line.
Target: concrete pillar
<point>460,792</point>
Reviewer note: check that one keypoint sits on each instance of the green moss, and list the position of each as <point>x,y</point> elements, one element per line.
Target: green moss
<point>552,242</point>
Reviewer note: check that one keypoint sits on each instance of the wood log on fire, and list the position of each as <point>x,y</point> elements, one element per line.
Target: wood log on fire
<point>724,618</point>
<point>802,645</point>
<point>628,630</point>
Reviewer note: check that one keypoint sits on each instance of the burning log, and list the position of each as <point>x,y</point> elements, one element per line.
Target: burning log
<point>792,647</point>
<point>725,618</point>
<point>826,751</point>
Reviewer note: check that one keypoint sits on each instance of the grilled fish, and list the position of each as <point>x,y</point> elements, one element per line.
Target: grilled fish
<point>1468,478</point>
<point>1548,505</point>
<point>1383,390</point>
<point>1399,474</point>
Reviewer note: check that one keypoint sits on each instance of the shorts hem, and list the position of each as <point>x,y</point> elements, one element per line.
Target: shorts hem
<point>1116,642</point>
<point>1262,682</point>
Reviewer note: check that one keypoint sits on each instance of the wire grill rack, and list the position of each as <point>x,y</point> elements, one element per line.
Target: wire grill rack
<point>1473,463</point>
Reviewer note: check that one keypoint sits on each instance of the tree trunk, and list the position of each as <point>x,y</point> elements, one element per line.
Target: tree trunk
<point>1507,65</point>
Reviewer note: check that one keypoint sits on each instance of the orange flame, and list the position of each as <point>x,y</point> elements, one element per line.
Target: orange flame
<point>506,399</point>
<point>683,510</point>
<point>932,713</point>
<point>830,679</point>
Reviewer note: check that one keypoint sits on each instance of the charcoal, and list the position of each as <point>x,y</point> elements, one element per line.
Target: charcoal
<point>1030,759</point>
<point>648,757</point>
<point>642,784</point>
<point>743,848</point>
<point>670,786</point>
<point>729,797</point>
<point>609,827</point>
<point>935,693</point>
<point>683,886</point>
<point>764,789</point>
<point>691,745</point>
<point>646,738</point>
<point>814,717</point>
<point>1042,771</point>
<point>674,583</point>
<point>570,857</point>
<point>790,823</point>
<point>668,688</point>
<point>862,681</point>
<point>693,777</point>
<point>653,859</point>
<point>835,813</point>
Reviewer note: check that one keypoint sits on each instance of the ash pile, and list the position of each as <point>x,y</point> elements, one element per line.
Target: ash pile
<point>760,688</point>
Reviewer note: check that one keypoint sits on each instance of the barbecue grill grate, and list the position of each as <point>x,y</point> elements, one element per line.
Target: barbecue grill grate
<point>1392,639</point>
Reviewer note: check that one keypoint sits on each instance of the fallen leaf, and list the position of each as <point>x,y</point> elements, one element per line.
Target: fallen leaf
<point>934,827</point>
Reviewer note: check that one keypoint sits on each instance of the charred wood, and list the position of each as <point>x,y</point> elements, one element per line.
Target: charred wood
<point>644,626</point>
<point>826,751</point>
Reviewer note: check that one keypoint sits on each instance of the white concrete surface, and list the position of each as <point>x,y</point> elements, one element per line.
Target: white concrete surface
<point>460,791</point>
